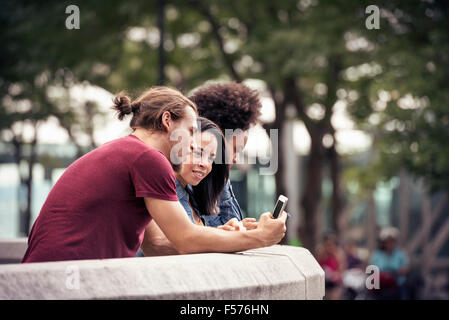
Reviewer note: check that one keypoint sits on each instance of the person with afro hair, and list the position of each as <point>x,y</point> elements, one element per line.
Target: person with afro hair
<point>234,107</point>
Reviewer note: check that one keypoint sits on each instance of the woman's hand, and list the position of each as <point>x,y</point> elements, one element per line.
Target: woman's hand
<point>232,225</point>
<point>235,225</point>
<point>249,223</point>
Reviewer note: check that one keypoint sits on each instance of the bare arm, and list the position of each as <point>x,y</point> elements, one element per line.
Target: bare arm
<point>155,243</point>
<point>187,237</point>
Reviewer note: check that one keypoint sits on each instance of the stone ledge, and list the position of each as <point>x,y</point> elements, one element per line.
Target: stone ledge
<point>277,272</point>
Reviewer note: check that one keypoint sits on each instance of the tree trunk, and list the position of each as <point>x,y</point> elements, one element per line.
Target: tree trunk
<point>332,79</point>
<point>311,198</point>
<point>371,223</point>
<point>29,186</point>
<point>403,207</point>
<point>337,194</point>
<point>18,154</point>
<point>26,217</point>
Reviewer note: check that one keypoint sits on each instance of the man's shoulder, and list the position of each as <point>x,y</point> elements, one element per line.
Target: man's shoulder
<point>226,193</point>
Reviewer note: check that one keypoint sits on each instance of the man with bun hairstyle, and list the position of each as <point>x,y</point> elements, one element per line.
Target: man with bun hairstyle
<point>101,204</point>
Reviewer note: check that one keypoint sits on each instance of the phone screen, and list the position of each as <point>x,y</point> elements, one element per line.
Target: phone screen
<point>277,209</point>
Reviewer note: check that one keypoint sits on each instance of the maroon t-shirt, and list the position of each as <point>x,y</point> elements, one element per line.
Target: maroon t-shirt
<point>96,209</point>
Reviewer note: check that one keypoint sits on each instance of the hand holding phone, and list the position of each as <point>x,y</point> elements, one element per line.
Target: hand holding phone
<point>280,205</point>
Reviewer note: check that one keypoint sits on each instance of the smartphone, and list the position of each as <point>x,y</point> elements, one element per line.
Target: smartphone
<point>280,205</point>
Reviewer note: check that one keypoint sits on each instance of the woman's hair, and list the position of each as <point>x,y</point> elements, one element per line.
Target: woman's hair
<point>207,192</point>
<point>230,105</point>
<point>148,109</point>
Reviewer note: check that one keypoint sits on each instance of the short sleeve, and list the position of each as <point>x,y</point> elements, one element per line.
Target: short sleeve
<point>153,176</point>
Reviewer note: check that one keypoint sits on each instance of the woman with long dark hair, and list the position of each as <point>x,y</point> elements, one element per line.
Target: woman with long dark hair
<point>204,174</point>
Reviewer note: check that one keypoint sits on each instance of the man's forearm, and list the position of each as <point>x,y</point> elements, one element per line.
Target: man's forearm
<point>210,239</point>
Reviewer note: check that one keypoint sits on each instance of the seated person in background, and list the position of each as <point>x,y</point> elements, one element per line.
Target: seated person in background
<point>333,261</point>
<point>199,183</point>
<point>393,265</point>
<point>353,259</point>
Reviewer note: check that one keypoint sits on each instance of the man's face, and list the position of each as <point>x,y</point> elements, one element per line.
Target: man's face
<point>235,145</point>
<point>181,136</point>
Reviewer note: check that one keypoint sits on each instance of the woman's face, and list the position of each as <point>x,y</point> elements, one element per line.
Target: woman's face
<point>199,164</point>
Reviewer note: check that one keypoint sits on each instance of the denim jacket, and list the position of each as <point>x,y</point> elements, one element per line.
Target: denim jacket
<point>183,197</point>
<point>228,206</point>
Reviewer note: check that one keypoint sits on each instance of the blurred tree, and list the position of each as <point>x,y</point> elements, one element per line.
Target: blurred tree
<point>22,112</point>
<point>311,54</point>
<point>407,108</point>
<point>408,99</point>
<point>29,66</point>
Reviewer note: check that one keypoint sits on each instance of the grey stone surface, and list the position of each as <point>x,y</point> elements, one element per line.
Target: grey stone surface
<point>12,250</point>
<point>277,272</point>
<point>306,265</point>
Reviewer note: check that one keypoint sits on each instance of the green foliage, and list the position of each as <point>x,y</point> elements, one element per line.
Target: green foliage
<point>117,48</point>
<point>412,48</point>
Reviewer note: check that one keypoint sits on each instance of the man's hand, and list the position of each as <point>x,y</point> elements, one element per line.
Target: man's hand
<point>272,230</point>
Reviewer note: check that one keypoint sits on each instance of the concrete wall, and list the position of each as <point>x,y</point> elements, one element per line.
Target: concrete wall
<point>277,272</point>
<point>12,250</point>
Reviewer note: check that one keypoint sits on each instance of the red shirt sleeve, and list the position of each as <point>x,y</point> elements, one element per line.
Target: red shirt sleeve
<point>153,176</point>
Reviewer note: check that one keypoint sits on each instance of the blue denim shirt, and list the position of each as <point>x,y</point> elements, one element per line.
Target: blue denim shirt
<point>183,197</point>
<point>228,206</point>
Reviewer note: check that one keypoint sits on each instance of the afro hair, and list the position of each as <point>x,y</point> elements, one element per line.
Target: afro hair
<point>230,105</point>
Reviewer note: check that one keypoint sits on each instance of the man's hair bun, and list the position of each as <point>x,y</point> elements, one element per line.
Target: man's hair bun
<point>135,106</point>
<point>122,104</point>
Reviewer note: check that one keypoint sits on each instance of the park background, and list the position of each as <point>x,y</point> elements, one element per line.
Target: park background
<point>362,114</point>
